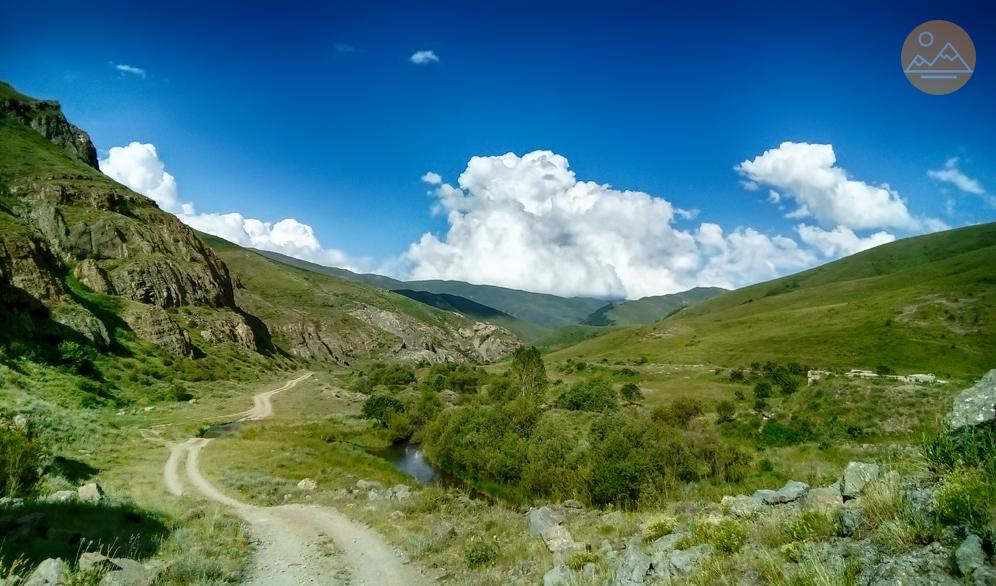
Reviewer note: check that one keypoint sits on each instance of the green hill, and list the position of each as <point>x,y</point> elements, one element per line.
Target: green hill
<point>647,310</point>
<point>923,304</point>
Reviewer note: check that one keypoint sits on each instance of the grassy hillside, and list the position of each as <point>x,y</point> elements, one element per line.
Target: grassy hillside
<point>527,331</point>
<point>648,309</point>
<point>921,304</point>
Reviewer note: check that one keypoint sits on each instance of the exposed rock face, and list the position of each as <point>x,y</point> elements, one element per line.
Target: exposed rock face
<point>313,341</point>
<point>975,405</point>
<point>27,264</point>
<point>488,341</point>
<point>228,326</point>
<point>152,323</point>
<point>926,566</point>
<point>632,567</point>
<point>79,318</point>
<point>46,118</point>
<point>90,274</point>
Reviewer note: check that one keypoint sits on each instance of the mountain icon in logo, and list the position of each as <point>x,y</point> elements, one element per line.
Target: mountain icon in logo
<point>947,63</point>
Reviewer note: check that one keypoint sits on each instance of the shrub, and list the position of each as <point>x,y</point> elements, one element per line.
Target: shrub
<point>77,356</point>
<point>21,460</point>
<point>391,375</point>
<point>725,411</point>
<point>762,390</point>
<point>178,393</point>
<point>594,394</point>
<point>630,393</point>
<point>658,527</point>
<point>728,536</point>
<point>737,375</point>
<point>480,553</point>
<point>381,407</point>
<point>680,413</point>
<point>963,499</point>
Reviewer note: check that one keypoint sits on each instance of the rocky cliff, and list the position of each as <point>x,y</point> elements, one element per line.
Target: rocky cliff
<point>67,230</point>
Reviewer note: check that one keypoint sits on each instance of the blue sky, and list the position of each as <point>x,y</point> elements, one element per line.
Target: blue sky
<point>316,112</point>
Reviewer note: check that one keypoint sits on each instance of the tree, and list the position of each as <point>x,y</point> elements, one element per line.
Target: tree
<point>381,407</point>
<point>725,411</point>
<point>762,390</point>
<point>680,413</point>
<point>528,373</point>
<point>594,394</point>
<point>630,393</point>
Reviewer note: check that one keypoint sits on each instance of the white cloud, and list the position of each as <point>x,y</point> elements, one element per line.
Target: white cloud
<point>807,173</point>
<point>432,178</point>
<point>130,69</point>
<point>953,175</point>
<point>138,166</point>
<point>840,241</point>
<point>527,222</point>
<point>424,57</point>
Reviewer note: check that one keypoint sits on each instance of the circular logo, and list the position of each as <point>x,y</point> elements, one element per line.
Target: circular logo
<point>938,57</point>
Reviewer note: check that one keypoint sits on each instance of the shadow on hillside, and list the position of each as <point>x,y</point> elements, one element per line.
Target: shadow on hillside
<point>36,531</point>
<point>75,471</point>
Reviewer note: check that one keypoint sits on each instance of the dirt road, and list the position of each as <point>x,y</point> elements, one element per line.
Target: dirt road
<point>298,544</point>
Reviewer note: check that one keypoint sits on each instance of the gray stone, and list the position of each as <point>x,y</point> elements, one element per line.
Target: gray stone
<point>741,506</point>
<point>90,492</point>
<point>573,504</point>
<point>849,519</point>
<point>684,561</point>
<point>62,496</point>
<point>307,484</point>
<point>559,575</point>
<point>975,405</point>
<point>632,567</point>
<point>826,500</point>
<point>51,572</point>
<point>856,477</point>
<point>927,566</point>
<point>92,561</point>
<point>559,540</point>
<point>364,485</point>
<point>400,492</point>
<point>971,560</point>
<point>792,490</point>
<point>542,518</point>
<point>128,573</point>
<point>765,494</point>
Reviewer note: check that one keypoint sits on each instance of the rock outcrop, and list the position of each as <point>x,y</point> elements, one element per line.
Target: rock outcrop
<point>46,118</point>
<point>153,323</point>
<point>975,405</point>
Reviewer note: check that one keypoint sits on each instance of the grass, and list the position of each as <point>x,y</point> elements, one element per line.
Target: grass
<point>917,305</point>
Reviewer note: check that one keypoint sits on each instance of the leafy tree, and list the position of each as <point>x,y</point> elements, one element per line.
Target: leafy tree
<point>631,393</point>
<point>381,407</point>
<point>528,372</point>
<point>21,460</point>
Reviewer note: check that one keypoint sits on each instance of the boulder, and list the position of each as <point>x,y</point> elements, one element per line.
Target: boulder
<point>741,506</point>
<point>51,572</point>
<point>127,572</point>
<point>792,490</point>
<point>542,519</point>
<point>307,484</point>
<point>92,561</point>
<point>856,477</point>
<point>364,485</point>
<point>559,540</point>
<point>559,575</point>
<point>975,405</point>
<point>826,500</point>
<point>849,518</point>
<point>62,496</point>
<point>684,561</point>
<point>632,567</point>
<point>399,492</point>
<point>971,560</point>
<point>926,566</point>
<point>90,492</point>
<point>573,504</point>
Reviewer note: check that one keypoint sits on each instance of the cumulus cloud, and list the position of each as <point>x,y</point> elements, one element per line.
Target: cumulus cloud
<point>527,222</point>
<point>809,175</point>
<point>432,178</point>
<point>424,57</point>
<point>841,241</point>
<point>130,70</point>
<point>138,166</point>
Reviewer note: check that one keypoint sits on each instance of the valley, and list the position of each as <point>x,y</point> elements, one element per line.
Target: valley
<point>709,436</point>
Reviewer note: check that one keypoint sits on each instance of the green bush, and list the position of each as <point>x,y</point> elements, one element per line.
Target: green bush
<point>658,527</point>
<point>77,356</point>
<point>680,413</point>
<point>381,407</point>
<point>762,390</point>
<point>811,525</point>
<point>964,498</point>
<point>480,553</point>
<point>22,460</point>
<point>594,394</point>
<point>725,411</point>
<point>630,393</point>
<point>578,561</point>
<point>728,536</point>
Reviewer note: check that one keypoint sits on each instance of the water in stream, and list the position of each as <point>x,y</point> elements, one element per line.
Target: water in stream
<point>409,459</point>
